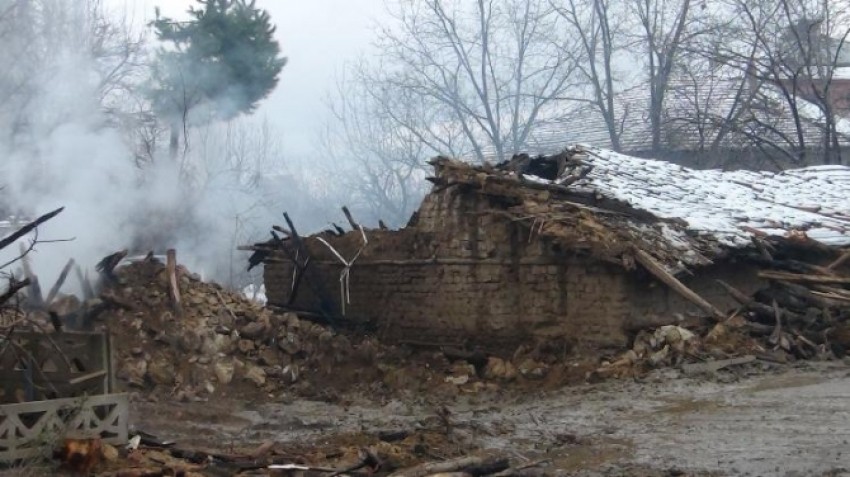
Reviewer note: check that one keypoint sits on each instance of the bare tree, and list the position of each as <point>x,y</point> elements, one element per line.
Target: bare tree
<point>664,25</point>
<point>594,25</point>
<point>45,42</point>
<point>374,157</point>
<point>489,68</point>
<point>790,51</point>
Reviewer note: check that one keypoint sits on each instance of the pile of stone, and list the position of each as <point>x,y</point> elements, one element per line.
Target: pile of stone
<point>217,341</point>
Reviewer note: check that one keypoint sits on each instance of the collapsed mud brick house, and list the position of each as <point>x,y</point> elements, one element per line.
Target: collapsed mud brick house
<point>582,246</point>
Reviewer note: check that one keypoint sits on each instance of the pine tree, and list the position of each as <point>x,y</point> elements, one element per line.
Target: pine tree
<point>218,65</point>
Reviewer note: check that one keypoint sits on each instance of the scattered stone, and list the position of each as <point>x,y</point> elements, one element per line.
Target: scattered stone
<point>256,375</point>
<point>224,371</point>
<point>245,346</point>
<point>161,371</point>
<point>253,331</point>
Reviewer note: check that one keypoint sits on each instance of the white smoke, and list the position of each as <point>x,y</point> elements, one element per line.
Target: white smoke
<point>65,150</point>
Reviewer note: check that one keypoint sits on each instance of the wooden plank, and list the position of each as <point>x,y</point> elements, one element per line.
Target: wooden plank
<point>716,365</point>
<point>87,377</point>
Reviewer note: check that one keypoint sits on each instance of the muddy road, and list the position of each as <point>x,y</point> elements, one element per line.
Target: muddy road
<point>762,420</point>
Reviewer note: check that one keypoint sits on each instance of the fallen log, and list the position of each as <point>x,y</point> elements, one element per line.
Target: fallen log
<point>656,269</point>
<point>472,465</point>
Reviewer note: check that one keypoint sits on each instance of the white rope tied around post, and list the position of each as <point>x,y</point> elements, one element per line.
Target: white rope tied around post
<point>345,275</point>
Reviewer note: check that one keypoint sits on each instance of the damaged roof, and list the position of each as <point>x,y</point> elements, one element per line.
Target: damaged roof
<point>612,204</point>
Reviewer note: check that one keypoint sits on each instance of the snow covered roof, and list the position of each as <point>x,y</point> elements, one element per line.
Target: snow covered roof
<point>728,207</point>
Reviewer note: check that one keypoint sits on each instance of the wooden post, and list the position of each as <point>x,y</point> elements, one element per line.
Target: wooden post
<point>173,282</point>
<point>655,268</point>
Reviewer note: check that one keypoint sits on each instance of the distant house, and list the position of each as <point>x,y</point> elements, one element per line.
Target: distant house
<point>560,247</point>
<point>718,120</point>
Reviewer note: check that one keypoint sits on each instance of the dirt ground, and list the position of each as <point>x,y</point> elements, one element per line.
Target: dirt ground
<point>786,420</point>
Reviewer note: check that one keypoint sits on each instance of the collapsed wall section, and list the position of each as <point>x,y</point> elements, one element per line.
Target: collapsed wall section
<point>468,272</point>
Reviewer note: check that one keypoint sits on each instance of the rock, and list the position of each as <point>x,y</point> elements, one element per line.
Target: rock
<point>137,351</point>
<point>215,343</point>
<point>133,371</point>
<point>500,369</point>
<point>458,380</point>
<point>290,373</point>
<point>269,357</point>
<point>253,331</point>
<point>190,341</point>
<point>224,371</point>
<point>289,343</point>
<point>256,375</point>
<point>161,371</point>
<point>531,368</point>
<point>660,357</point>
<point>245,346</point>
<point>460,368</point>
<point>292,321</point>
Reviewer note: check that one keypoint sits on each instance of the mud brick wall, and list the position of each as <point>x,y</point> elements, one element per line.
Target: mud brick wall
<point>489,304</point>
<point>462,273</point>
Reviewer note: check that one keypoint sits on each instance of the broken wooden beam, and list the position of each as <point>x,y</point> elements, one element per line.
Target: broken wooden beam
<point>656,269</point>
<point>5,242</point>
<point>839,261</point>
<point>85,284</point>
<point>472,465</point>
<point>715,365</point>
<point>748,302</point>
<point>354,225</point>
<point>34,296</point>
<point>106,266</point>
<point>804,278</point>
<point>173,280</point>
<point>63,275</point>
<point>14,288</point>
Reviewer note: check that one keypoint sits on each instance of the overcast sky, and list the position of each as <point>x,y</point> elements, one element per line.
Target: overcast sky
<point>318,37</point>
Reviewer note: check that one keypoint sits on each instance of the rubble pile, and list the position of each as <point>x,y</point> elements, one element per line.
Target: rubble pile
<point>216,339</point>
<point>218,342</point>
<point>802,312</point>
